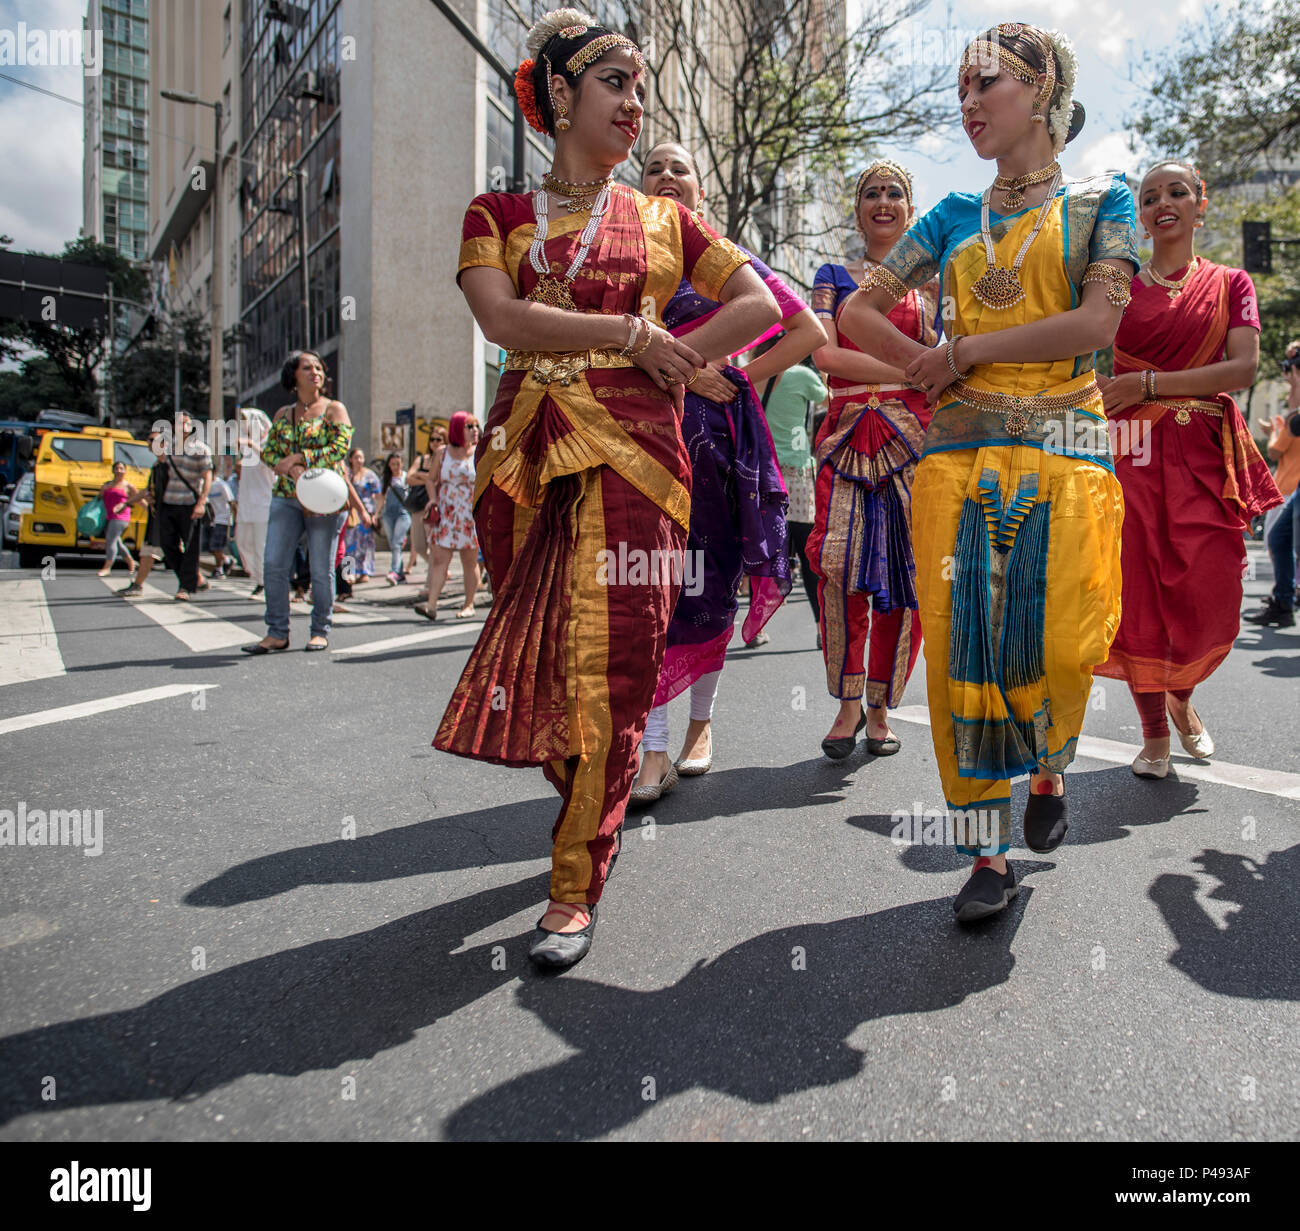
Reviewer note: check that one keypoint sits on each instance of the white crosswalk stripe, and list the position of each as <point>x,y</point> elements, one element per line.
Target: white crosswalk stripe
<point>29,646</point>
<point>245,589</point>
<point>83,709</point>
<point>189,623</point>
<point>1224,773</point>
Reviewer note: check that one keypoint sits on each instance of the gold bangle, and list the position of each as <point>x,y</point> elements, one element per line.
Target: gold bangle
<point>694,377</point>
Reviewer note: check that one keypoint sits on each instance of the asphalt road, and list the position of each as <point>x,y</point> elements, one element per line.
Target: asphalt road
<point>305,924</point>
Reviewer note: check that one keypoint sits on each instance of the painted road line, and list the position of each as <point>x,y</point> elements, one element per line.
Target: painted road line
<point>189,623</point>
<point>352,616</point>
<point>398,643</point>
<point>84,709</point>
<point>1222,773</point>
<point>29,646</point>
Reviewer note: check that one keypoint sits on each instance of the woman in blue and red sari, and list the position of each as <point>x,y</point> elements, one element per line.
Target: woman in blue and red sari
<point>581,464</point>
<point>1192,476</point>
<point>738,501</point>
<point>866,456</point>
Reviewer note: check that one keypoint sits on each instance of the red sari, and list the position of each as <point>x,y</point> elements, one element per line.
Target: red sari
<point>579,475</point>
<point>1192,479</point>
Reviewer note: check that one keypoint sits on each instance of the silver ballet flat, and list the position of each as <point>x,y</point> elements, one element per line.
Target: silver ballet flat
<point>694,768</point>
<point>643,795</point>
<point>1143,768</point>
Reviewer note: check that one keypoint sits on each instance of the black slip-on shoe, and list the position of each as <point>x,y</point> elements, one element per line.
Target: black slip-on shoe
<point>1045,822</point>
<point>556,950</point>
<point>884,747</point>
<point>838,749</point>
<point>1271,614</point>
<point>986,893</point>
<point>259,648</point>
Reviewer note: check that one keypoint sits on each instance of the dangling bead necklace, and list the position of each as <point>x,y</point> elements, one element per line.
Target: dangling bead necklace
<point>558,292</point>
<point>997,287</point>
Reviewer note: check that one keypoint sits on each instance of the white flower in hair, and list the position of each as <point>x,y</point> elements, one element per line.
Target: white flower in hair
<point>1058,120</point>
<point>550,24</point>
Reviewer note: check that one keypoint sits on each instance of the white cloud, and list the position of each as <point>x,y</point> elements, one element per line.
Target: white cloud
<point>41,138</point>
<point>1106,153</point>
<point>40,150</point>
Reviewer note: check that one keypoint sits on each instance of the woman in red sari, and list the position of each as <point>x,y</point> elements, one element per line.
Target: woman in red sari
<point>1192,476</point>
<point>867,452</point>
<point>582,487</point>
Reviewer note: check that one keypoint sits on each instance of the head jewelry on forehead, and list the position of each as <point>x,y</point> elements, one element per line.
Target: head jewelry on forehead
<point>984,53</point>
<point>883,167</point>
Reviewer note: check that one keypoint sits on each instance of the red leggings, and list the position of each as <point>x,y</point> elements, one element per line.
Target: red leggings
<point>1151,709</point>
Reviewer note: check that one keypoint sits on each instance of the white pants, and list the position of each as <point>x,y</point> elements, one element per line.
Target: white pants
<point>703,692</point>
<point>250,538</point>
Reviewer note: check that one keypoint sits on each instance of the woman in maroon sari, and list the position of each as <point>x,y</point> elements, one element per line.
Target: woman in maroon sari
<point>582,482</point>
<point>1191,473</point>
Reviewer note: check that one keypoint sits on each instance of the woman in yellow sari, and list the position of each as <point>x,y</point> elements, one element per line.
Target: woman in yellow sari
<point>1016,510</point>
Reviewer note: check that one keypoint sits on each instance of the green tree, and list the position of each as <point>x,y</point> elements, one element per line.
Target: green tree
<point>64,362</point>
<point>144,376</point>
<point>1230,93</point>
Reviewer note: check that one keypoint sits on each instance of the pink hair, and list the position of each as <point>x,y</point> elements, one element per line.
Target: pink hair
<point>456,428</point>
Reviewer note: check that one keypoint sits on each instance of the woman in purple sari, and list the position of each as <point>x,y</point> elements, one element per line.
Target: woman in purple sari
<point>738,503</point>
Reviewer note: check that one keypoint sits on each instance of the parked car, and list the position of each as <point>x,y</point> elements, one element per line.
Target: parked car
<point>17,502</point>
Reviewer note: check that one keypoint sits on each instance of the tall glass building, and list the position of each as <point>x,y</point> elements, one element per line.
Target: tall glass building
<point>115,182</point>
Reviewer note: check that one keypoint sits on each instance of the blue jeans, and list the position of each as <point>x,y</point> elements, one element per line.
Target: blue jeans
<point>396,529</point>
<point>284,527</point>
<point>1282,540</point>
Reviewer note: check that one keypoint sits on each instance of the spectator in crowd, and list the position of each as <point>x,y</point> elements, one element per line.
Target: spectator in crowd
<point>217,535</point>
<point>451,494</point>
<point>255,480</point>
<point>151,498</point>
<point>359,543</point>
<point>116,495</point>
<point>185,497</point>
<point>396,517</point>
<point>1282,525</point>
<point>429,462</point>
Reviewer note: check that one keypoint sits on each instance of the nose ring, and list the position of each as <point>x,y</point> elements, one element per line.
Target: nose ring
<point>627,106</point>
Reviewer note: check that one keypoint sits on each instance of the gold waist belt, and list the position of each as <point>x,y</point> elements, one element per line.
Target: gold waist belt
<point>886,390</point>
<point>1183,408</point>
<point>549,368</point>
<point>1019,412</point>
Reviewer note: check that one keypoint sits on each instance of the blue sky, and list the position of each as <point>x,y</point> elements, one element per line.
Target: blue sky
<point>41,137</point>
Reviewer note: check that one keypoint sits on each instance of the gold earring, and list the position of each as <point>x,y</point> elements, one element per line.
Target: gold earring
<point>1036,118</point>
<point>562,124</point>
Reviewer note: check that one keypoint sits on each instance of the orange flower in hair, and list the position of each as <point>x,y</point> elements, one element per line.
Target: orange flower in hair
<point>527,97</point>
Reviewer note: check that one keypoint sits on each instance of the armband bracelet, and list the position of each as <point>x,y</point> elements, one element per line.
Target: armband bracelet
<point>649,337</point>
<point>879,276</point>
<point>633,330</point>
<point>1118,284</point>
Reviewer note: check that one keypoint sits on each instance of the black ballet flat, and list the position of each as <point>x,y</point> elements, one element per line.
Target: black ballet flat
<point>559,950</point>
<point>884,747</point>
<point>1045,822</point>
<point>315,649</point>
<point>838,749</point>
<point>259,648</point>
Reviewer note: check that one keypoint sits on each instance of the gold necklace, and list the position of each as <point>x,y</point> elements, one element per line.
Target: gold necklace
<point>580,196</point>
<point>1014,189</point>
<point>1173,288</point>
<point>998,287</point>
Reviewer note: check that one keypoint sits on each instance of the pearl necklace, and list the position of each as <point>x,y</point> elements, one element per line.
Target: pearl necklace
<point>997,287</point>
<point>1172,287</point>
<point>556,292</point>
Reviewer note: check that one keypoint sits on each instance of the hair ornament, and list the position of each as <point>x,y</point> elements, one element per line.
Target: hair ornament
<point>558,22</point>
<point>527,96</point>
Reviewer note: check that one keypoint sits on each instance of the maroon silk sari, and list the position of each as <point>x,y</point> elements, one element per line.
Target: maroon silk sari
<point>1192,480</point>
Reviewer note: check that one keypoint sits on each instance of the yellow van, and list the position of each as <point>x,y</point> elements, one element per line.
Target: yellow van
<point>71,469</point>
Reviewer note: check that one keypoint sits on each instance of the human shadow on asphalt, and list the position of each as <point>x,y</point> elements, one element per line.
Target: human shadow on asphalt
<point>509,834</point>
<point>187,662</point>
<point>317,1006</point>
<point>1280,666</point>
<point>770,1017</point>
<point>1254,955</point>
<point>1105,806</point>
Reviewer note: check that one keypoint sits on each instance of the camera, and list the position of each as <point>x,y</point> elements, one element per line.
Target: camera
<point>1291,363</point>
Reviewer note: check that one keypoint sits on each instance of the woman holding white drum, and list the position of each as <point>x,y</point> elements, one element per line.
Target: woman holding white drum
<point>313,434</point>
